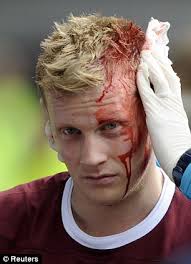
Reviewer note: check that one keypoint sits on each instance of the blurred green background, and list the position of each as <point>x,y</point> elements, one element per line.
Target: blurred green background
<point>24,152</point>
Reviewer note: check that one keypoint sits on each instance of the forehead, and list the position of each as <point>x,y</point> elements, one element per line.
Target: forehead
<point>92,106</point>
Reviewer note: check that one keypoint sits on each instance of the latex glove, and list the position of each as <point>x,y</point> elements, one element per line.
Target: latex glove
<point>166,118</point>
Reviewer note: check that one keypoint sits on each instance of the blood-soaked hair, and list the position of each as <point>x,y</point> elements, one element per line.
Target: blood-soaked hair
<point>83,51</point>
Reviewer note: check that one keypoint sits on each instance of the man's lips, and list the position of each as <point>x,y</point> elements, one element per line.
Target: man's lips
<point>97,177</point>
<point>101,179</point>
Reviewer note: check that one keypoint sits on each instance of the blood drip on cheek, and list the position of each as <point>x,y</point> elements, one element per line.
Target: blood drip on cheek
<point>127,157</point>
<point>131,134</point>
<point>128,134</point>
<point>137,135</point>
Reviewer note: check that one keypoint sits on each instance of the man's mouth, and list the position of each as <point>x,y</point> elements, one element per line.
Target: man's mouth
<point>101,179</point>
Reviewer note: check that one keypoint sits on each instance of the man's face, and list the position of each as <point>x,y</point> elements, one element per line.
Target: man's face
<point>103,139</point>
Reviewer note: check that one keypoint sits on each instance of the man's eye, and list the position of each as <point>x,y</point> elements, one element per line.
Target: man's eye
<point>71,131</point>
<point>110,126</point>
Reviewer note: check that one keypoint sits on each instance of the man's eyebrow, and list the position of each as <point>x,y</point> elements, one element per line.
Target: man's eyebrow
<point>106,120</point>
<point>119,119</point>
<point>61,125</point>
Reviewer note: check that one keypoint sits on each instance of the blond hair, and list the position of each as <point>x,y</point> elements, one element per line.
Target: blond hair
<point>79,53</point>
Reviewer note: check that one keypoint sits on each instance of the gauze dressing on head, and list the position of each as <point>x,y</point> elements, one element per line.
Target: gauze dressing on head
<point>157,39</point>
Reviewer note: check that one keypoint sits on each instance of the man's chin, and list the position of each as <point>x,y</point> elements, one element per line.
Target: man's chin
<point>108,199</point>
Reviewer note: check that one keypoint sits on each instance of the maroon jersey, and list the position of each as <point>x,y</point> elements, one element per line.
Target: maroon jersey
<point>31,222</point>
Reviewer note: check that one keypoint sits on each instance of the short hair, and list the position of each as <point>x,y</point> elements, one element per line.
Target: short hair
<point>82,52</point>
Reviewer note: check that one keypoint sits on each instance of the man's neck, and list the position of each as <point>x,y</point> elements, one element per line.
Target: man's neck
<point>103,220</point>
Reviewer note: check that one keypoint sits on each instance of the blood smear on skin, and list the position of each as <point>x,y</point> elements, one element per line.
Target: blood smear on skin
<point>126,160</point>
<point>128,133</point>
<point>136,134</point>
<point>104,92</point>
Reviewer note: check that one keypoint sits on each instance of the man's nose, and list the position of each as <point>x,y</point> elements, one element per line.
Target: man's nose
<point>93,151</point>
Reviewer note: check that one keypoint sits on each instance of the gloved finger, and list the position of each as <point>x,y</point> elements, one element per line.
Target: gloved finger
<point>143,83</point>
<point>156,75</point>
<point>162,58</point>
<point>170,74</point>
<point>148,97</point>
<point>173,80</point>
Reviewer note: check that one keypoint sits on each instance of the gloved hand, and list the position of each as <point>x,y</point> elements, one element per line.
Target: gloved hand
<point>165,115</point>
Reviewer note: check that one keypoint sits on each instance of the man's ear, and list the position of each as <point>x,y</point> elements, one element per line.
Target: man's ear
<point>47,126</point>
<point>47,129</point>
<point>49,135</point>
<point>44,110</point>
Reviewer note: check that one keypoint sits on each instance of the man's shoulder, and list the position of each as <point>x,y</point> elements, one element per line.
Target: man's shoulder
<point>34,190</point>
<point>21,205</point>
<point>180,210</point>
<point>35,187</point>
<point>178,218</point>
<point>181,203</point>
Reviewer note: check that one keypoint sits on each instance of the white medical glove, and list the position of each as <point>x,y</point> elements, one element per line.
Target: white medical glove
<point>166,118</point>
